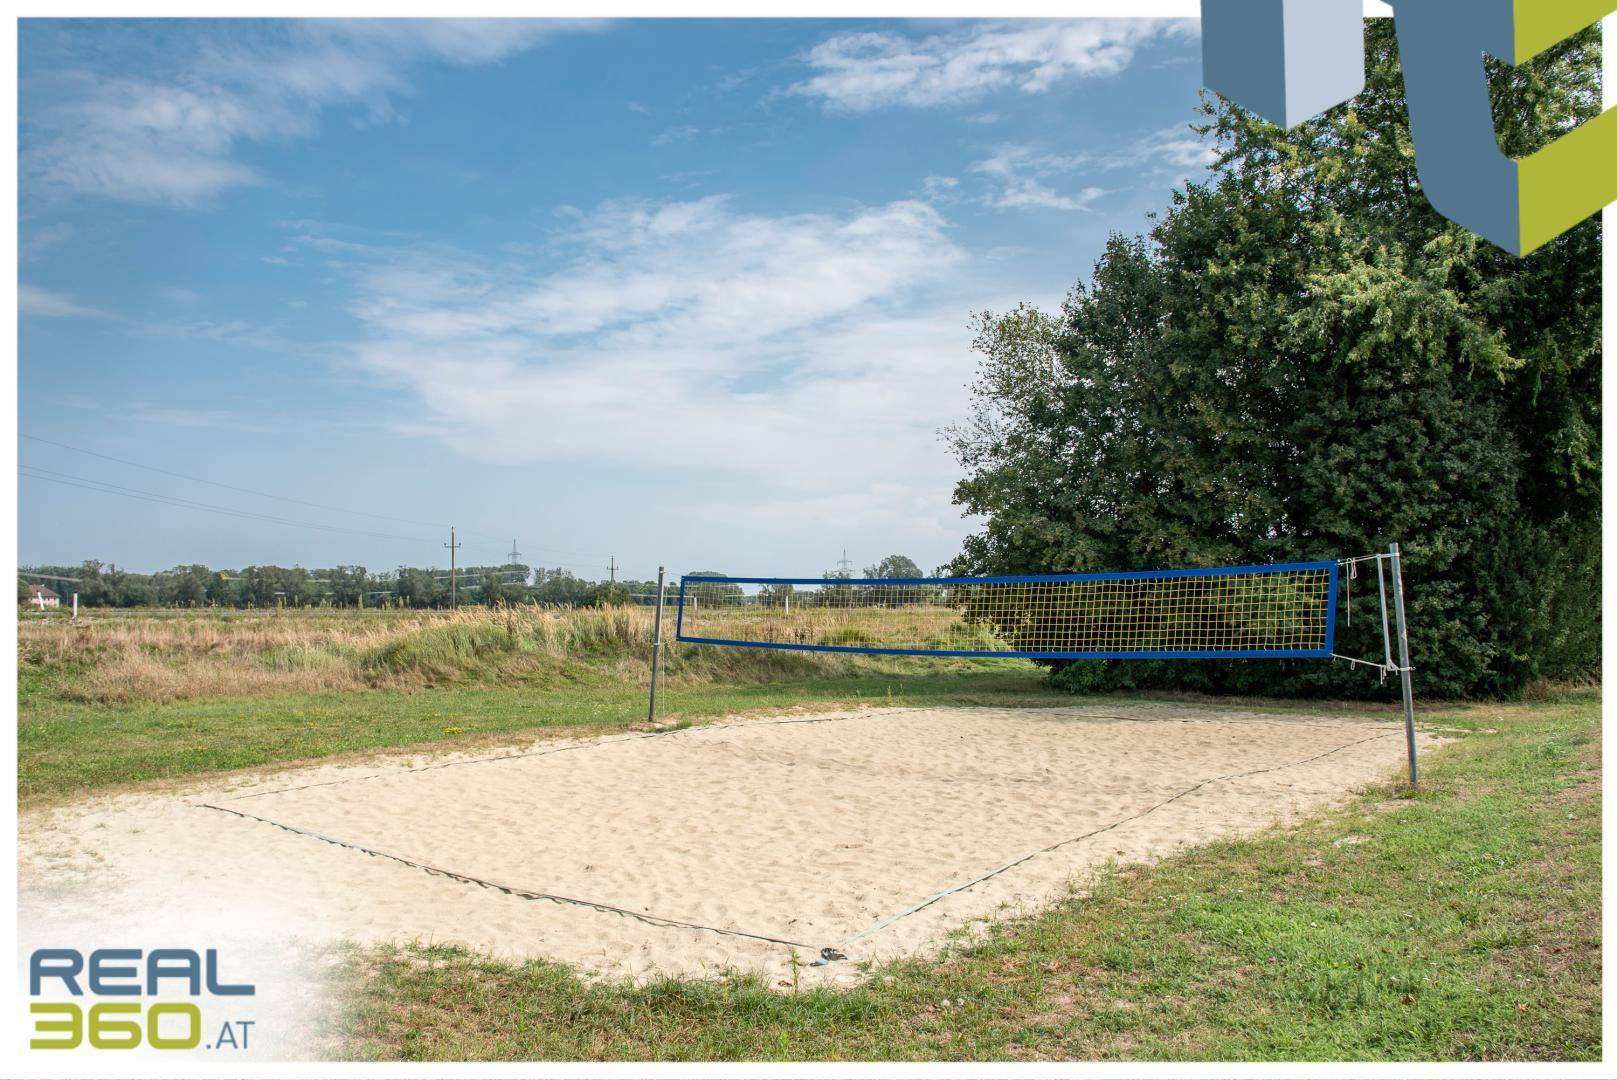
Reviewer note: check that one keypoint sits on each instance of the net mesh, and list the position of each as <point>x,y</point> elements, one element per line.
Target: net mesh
<point>1277,611</point>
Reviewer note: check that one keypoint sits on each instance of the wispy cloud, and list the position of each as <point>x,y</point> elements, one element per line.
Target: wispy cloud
<point>675,134</point>
<point>1021,178</point>
<point>176,140</point>
<point>235,332</point>
<point>258,420</point>
<point>42,239</point>
<point>1025,177</point>
<point>32,300</point>
<point>735,80</point>
<point>1173,149</point>
<point>871,70</point>
<point>822,349</point>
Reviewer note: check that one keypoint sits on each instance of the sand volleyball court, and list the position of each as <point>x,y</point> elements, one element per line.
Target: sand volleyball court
<point>875,832</point>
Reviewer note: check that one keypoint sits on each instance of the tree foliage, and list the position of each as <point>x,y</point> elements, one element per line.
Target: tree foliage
<point>895,566</point>
<point>196,586</point>
<point>1302,360</point>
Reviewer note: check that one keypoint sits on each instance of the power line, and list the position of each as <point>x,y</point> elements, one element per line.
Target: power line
<point>591,555</point>
<point>230,487</point>
<point>34,472</point>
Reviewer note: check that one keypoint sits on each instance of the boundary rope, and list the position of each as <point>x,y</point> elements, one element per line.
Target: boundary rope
<point>826,954</point>
<point>882,924</point>
<point>509,890</point>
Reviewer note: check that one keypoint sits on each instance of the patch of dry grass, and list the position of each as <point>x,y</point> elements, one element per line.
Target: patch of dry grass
<point>155,657</point>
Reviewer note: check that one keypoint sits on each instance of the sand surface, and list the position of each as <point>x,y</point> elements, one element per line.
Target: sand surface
<point>811,829</point>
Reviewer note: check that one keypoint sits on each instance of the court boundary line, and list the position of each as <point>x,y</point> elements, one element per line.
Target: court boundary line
<point>882,924</point>
<point>590,744</point>
<point>826,953</point>
<point>510,890</point>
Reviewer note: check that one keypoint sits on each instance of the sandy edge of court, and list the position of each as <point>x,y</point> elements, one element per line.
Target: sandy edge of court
<point>955,792</point>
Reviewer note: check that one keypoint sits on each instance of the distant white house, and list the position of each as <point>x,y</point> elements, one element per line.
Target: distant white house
<point>43,597</point>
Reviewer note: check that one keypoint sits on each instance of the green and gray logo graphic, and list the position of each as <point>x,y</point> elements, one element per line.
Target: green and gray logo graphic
<point>1290,60</point>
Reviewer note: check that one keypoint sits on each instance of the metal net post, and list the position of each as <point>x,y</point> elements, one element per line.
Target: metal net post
<point>1403,661</point>
<point>656,646</point>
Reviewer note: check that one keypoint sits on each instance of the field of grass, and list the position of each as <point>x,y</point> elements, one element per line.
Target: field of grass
<point>1459,921</point>
<point>126,698</point>
<point>932,626</point>
<point>1462,922</point>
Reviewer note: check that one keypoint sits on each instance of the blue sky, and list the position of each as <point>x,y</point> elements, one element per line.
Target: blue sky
<point>682,292</point>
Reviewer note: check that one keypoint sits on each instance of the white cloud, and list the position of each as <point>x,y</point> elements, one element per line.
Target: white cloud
<point>675,134</point>
<point>1020,179</point>
<point>872,70</point>
<point>883,515</point>
<point>735,80</point>
<point>694,337</point>
<point>39,240</point>
<point>32,300</point>
<point>1173,149</point>
<point>1024,177</point>
<point>695,273</point>
<point>173,140</point>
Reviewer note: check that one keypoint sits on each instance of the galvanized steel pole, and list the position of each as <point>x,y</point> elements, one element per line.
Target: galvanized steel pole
<point>656,646</point>
<point>1403,662</point>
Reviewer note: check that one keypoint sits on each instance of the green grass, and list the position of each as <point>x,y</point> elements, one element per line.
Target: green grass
<point>66,748</point>
<point>1461,922</point>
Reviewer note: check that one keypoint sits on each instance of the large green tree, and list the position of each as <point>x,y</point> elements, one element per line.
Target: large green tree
<point>1303,360</point>
<point>894,566</point>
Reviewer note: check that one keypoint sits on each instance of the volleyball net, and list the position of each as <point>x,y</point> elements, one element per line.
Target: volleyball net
<point>1281,611</point>
<point>1286,610</point>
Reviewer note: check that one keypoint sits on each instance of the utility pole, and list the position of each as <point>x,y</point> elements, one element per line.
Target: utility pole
<point>845,564</point>
<point>612,570</point>
<point>516,556</point>
<point>454,598</point>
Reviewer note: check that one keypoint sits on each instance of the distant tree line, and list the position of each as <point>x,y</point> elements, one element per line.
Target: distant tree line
<point>827,595</point>
<point>101,584</point>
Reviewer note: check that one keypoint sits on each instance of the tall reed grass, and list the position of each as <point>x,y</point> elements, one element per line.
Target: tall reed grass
<point>149,656</point>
